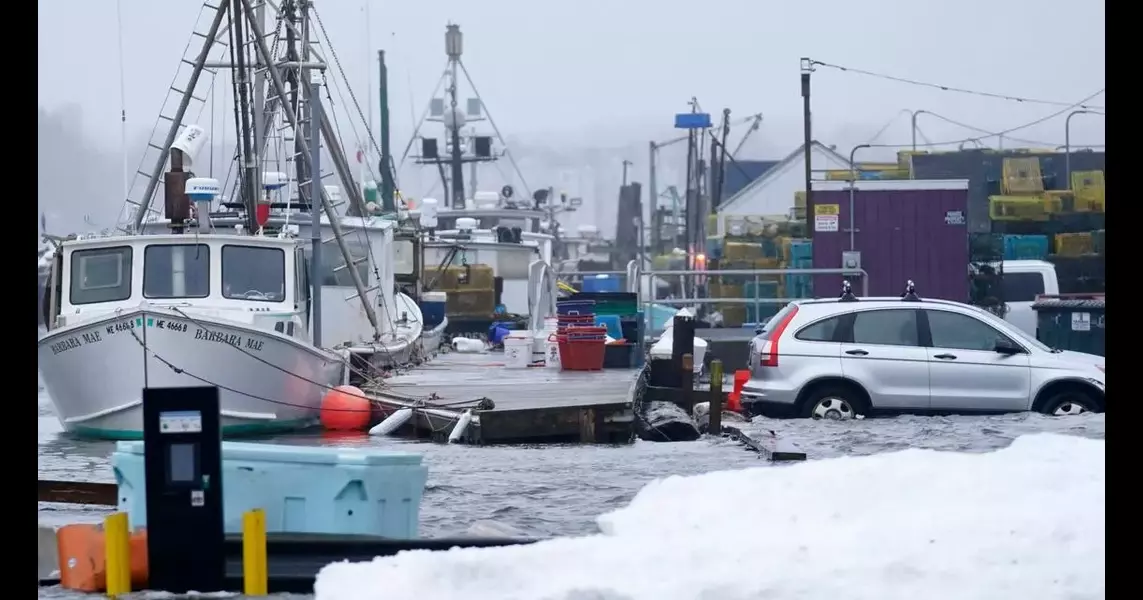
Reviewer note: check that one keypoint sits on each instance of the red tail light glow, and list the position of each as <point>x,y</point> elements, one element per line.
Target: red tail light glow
<point>770,349</point>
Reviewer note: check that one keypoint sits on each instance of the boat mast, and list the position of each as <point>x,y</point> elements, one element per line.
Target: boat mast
<point>454,48</point>
<point>242,13</point>
<point>246,157</point>
<point>327,131</point>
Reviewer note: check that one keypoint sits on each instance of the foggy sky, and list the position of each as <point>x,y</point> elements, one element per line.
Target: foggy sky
<point>577,87</point>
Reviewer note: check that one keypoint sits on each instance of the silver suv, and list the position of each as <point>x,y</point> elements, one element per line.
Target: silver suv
<point>839,358</point>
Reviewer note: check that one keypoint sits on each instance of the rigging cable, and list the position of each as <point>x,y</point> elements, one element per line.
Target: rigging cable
<point>998,133</point>
<point>959,90</point>
<point>122,99</point>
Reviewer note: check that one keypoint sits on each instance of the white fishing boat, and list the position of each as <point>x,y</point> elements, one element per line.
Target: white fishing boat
<point>230,294</point>
<point>131,312</point>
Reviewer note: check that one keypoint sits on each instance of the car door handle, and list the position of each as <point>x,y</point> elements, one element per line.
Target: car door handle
<point>946,356</point>
<point>856,352</point>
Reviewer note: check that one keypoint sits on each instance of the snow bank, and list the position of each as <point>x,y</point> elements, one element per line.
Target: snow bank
<point>1026,521</point>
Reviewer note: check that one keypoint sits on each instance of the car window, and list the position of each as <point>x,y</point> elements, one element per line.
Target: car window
<point>896,327</point>
<point>961,332</point>
<point>822,331</point>
<point>1021,287</point>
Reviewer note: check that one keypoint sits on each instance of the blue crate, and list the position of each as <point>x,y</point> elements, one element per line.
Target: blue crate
<point>714,248</point>
<point>800,286</point>
<point>801,250</point>
<point>601,283</point>
<point>303,489</point>
<point>1026,247</point>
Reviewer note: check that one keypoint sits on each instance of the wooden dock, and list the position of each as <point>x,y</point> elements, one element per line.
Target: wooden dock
<point>511,406</point>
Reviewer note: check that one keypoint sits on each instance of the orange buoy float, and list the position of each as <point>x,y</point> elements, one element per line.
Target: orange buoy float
<point>345,408</point>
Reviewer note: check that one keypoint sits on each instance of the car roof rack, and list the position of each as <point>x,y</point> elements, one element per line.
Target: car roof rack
<point>846,292</point>
<point>910,294</point>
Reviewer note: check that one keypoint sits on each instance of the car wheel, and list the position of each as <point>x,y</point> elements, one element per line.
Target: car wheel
<point>1070,402</point>
<point>832,403</point>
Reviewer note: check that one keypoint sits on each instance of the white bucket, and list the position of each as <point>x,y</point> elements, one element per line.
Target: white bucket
<point>552,353</point>
<point>517,352</point>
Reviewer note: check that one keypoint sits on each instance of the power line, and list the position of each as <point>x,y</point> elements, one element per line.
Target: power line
<point>959,90</point>
<point>998,133</point>
<point>885,127</point>
<point>985,131</point>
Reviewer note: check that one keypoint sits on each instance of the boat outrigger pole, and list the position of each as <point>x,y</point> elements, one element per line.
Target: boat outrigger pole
<point>304,147</point>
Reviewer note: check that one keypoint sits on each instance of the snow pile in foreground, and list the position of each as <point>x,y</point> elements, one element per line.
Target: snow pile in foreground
<point>1026,521</point>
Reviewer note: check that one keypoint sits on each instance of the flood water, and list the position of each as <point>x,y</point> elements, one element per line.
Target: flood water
<point>559,490</point>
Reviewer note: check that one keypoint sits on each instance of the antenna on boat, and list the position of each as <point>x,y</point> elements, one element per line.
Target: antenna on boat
<point>446,110</point>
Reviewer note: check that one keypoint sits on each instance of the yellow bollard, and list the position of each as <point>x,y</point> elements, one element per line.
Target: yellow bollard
<point>254,576</point>
<point>117,546</point>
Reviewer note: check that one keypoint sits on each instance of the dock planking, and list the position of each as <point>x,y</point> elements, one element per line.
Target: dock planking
<point>532,405</point>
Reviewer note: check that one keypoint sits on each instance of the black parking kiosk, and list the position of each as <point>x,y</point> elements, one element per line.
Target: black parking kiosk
<point>182,453</point>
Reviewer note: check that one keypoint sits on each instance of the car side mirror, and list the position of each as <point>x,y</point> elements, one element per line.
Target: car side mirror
<point>1006,347</point>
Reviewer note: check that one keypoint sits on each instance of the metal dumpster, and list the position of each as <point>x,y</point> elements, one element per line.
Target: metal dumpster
<point>1071,322</point>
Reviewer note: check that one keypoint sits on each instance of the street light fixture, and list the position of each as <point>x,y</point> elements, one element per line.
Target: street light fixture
<point>913,121</point>
<point>1068,144</point>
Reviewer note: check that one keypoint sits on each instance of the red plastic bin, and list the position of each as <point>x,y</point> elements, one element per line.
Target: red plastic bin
<point>584,355</point>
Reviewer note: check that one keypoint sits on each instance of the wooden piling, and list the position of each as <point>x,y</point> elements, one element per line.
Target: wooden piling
<point>715,420</point>
<point>687,377</point>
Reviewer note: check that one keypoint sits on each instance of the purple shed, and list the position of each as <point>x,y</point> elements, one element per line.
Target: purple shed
<point>908,229</point>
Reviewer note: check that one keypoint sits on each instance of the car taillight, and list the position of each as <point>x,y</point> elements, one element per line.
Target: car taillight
<point>769,350</point>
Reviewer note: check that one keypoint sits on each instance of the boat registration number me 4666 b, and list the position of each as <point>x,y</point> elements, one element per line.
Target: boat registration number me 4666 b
<point>96,336</point>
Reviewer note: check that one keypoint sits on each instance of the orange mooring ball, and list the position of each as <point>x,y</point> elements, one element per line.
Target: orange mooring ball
<point>345,408</point>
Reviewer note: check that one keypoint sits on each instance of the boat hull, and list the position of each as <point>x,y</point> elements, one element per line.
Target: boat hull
<point>95,372</point>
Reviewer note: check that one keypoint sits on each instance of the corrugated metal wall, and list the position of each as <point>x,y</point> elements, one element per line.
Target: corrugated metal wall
<point>902,235</point>
<point>983,169</point>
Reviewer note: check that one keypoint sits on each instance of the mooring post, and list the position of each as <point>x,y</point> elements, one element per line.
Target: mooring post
<point>687,376</point>
<point>117,550</point>
<point>255,581</point>
<point>715,423</point>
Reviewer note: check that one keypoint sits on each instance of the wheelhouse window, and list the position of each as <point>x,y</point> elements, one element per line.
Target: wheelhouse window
<point>403,257</point>
<point>176,271</point>
<point>101,275</point>
<point>253,273</point>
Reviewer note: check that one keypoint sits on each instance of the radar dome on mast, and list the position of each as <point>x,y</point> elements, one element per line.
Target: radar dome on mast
<point>486,199</point>
<point>202,191</point>
<point>274,181</point>
<point>454,118</point>
<point>190,142</point>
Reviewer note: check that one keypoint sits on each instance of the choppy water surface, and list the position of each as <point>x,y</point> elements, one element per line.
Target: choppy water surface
<point>547,491</point>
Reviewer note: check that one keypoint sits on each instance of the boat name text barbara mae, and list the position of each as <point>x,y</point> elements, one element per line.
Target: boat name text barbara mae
<point>97,336</point>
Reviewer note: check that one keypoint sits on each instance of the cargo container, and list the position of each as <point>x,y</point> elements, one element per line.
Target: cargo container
<point>903,229</point>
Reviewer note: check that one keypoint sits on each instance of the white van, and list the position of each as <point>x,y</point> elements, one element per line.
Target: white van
<point>1023,280</point>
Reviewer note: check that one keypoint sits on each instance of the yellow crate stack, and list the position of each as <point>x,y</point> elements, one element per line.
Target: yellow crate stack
<point>1074,244</point>
<point>1022,176</point>
<point>1023,208</point>
<point>1088,191</point>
